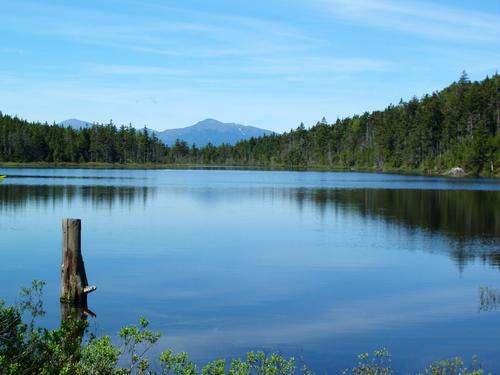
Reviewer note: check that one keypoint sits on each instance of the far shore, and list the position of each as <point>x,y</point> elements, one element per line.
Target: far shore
<point>402,171</point>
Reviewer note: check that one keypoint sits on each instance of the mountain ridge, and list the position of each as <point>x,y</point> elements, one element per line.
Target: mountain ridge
<point>76,123</point>
<point>211,131</point>
<point>200,134</point>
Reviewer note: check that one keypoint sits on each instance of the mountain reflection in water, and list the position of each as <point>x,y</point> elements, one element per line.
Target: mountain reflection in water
<point>469,218</point>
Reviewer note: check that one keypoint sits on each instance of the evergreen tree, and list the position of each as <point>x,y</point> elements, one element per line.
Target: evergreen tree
<point>458,126</point>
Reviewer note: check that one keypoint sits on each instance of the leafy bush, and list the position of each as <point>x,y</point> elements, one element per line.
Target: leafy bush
<point>26,349</point>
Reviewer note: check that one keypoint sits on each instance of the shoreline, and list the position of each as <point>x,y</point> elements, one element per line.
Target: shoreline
<point>137,166</point>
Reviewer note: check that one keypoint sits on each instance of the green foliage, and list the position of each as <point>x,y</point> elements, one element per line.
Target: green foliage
<point>100,356</point>
<point>177,363</point>
<point>255,363</point>
<point>31,299</point>
<point>479,151</point>
<point>136,342</point>
<point>22,141</point>
<point>378,364</point>
<point>273,364</point>
<point>458,126</point>
<point>453,366</point>
<point>25,349</point>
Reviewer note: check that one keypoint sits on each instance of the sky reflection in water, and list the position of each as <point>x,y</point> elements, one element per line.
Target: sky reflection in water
<point>317,265</point>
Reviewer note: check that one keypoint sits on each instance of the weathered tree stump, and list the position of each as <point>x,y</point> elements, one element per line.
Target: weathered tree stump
<point>74,285</point>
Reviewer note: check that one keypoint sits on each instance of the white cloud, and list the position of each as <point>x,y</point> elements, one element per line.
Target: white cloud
<point>420,18</point>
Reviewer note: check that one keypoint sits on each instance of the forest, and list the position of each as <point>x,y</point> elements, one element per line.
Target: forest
<point>458,126</point>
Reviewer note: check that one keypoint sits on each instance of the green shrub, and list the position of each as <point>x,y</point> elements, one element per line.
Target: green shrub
<point>26,349</point>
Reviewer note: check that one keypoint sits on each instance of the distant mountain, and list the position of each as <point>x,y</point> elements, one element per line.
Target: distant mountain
<point>75,123</point>
<point>211,131</point>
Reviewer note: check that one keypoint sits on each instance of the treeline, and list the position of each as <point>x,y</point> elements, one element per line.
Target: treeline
<point>22,141</point>
<point>458,126</point>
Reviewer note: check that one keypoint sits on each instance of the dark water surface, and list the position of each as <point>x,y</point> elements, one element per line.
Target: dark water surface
<point>321,266</point>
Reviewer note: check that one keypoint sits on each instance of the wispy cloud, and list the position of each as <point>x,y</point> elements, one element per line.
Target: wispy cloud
<point>273,64</point>
<point>198,35</point>
<point>135,70</point>
<point>420,18</point>
<point>318,65</point>
<point>357,317</point>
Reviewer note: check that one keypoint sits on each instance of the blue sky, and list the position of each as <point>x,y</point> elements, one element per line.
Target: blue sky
<point>271,64</point>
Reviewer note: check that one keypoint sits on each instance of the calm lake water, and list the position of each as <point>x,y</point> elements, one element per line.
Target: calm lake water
<point>321,266</point>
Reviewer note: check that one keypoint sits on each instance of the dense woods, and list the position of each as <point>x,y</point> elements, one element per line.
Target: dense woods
<point>21,141</point>
<point>458,126</point>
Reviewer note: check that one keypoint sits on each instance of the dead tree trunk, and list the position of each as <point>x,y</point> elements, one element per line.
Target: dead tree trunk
<point>74,285</point>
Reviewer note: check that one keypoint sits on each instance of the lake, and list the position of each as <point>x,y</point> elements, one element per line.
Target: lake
<point>320,266</point>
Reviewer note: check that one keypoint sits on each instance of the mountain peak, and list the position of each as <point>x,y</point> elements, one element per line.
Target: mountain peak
<point>211,131</point>
<point>75,123</point>
<point>208,122</point>
<point>203,132</point>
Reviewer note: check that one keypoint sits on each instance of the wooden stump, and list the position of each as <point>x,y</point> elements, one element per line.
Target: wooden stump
<point>74,285</point>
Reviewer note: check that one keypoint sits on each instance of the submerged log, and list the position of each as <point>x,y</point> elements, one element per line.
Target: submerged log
<point>74,285</point>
